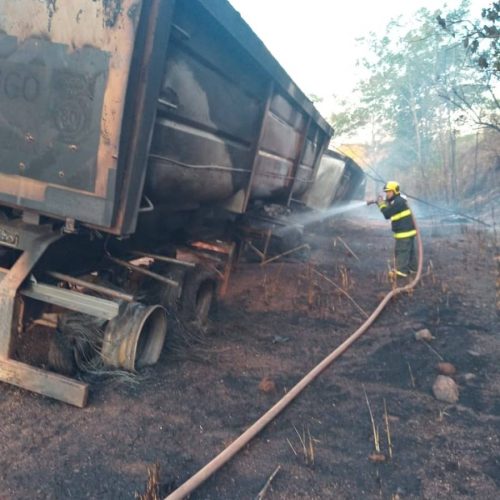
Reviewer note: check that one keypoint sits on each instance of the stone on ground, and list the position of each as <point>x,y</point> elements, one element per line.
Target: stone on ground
<point>445,389</point>
<point>446,368</point>
<point>424,334</point>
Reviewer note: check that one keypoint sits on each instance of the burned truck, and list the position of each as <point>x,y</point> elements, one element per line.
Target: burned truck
<point>134,135</point>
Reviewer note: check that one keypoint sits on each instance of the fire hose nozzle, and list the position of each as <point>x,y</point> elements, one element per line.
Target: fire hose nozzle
<point>371,202</point>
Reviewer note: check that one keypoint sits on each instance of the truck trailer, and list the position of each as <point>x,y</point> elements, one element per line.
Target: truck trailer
<point>134,137</point>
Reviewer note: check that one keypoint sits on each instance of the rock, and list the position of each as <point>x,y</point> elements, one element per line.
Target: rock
<point>267,385</point>
<point>445,389</point>
<point>446,368</point>
<point>377,458</point>
<point>469,377</point>
<point>424,334</point>
<point>475,354</point>
<point>278,339</point>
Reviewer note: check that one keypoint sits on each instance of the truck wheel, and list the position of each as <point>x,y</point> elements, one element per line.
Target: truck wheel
<point>169,296</point>
<point>61,356</point>
<point>198,295</point>
<point>289,238</point>
<point>292,237</point>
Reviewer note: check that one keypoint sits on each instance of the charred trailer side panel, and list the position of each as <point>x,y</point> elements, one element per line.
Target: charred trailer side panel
<point>339,178</point>
<point>81,85</point>
<point>352,184</point>
<point>231,125</point>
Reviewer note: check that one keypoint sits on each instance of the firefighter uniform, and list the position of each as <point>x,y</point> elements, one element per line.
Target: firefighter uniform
<point>396,209</point>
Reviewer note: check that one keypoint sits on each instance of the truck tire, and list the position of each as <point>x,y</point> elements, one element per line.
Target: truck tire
<point>198,295</point>
<point>61,358</point>
<point>289,238</point>
<point>170,296</point>
<point>292,237</point>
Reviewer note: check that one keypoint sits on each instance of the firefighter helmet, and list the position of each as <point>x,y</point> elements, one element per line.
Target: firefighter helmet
<point>392,186</point>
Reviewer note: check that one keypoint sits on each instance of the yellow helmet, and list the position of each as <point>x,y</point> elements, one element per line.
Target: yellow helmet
<point>392,186</point>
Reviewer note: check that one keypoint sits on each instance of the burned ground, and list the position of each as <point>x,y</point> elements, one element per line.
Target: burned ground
<point>277,322</point>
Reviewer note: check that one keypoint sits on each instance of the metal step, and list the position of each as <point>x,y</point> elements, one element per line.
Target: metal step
<point>69,299</point>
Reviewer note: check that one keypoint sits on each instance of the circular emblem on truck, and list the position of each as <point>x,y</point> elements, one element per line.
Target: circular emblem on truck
<point>71,117</point>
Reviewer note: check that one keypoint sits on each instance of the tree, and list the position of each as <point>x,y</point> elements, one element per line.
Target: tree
<point>416,77</point>
<point>348,118</point>
<point>477,98</point>
<point>479,38</point>
<point>315,98</point>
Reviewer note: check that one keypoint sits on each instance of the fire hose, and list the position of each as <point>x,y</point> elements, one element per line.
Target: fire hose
<point>215,464</point>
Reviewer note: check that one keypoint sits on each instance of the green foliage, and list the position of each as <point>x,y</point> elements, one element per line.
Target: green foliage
<point>403,95</point>
<point>421,91</point>
<point>426,85</point>
<point>479,38</point>
<point>419,75</point>
<point>349,119</point>
<point>476,96</point>
<point>315,98</point>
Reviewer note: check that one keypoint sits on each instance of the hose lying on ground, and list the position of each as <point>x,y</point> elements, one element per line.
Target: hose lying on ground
<point>203,474</point>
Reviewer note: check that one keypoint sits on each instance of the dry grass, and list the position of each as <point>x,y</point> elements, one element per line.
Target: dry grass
<point>412,378</point>
<point>375,431</point>
<point>387,430</point>
<point>263,491</point>
<point>342,291</point>
<point>152,491</point>
<point>377,456</point>
<point>345,278</point>
<point>307,445</point>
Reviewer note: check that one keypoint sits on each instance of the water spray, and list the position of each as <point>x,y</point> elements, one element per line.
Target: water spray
<point>309,218</point>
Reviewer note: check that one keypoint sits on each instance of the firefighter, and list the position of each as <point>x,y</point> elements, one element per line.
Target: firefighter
<point>395,208</point>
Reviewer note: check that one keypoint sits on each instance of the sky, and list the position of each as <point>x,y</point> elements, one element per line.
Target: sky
<point>315,40</point>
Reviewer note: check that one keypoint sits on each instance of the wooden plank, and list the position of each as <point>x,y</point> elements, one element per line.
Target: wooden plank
<point>42,382</point>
